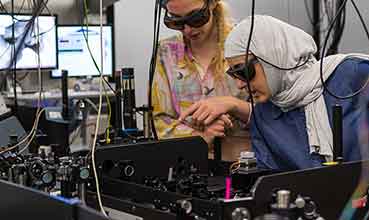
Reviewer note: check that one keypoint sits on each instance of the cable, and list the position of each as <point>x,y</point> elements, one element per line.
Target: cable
<point>157,15</point>
<point>34,127</point>
<point>14,64</point>
<point>21,7</point>
<point>338,30</point>
<point>310,17</point>
<point>34,130</point>
<point>325,87</point>
<point>91,103</point>
<point>39,111</point>
<point>234,167</point>
<point>3,53</point>
<point>361,18</point>
<point>100,72</point>
<point>85,11</point>
<point>285,68</point>
<point>93,150</point>
<point>35,13</point>
<point>78,132</point>
<point>248,81</point>
<point>20,79</point>
<point>3,7</point>
<point>107,132</point>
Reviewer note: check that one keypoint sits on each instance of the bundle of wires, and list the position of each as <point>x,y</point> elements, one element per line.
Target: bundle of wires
<point>327,10</point>
<point>102,89</point>
<point>338,27</point>
<point>84,20</point>
<point>331,26</point>
<point>37,9</point>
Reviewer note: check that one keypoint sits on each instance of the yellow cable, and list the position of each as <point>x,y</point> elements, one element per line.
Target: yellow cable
<point>108,140</point>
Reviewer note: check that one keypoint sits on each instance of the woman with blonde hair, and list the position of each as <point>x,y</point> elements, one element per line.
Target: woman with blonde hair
<point>190,67</point>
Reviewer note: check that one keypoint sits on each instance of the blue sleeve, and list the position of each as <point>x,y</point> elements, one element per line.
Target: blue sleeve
<point>280,140</point>
<point>348,78</point>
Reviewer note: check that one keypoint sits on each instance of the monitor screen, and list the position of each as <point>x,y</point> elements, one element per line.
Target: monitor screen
<point>39,39</point>
<point>74,55</point>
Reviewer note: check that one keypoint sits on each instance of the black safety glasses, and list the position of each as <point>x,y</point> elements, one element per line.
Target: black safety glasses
<point>242,71</point>
<point>196,19</point>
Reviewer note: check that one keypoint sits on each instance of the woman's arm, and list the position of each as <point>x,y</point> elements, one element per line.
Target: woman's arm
<point>206,111</point>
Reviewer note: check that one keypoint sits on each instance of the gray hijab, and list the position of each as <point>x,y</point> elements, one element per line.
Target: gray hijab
<point>287,46</point>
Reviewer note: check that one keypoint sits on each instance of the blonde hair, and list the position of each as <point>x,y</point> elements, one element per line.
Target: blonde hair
<point>224,25</point>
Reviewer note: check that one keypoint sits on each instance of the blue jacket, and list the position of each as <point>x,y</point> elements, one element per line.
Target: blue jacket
<point>280,139</point>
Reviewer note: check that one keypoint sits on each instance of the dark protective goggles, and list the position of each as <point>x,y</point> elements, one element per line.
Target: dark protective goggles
<point>196,19</point>
<point>242,71</point>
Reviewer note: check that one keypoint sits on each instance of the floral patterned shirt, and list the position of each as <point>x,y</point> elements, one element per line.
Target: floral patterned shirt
<point>178,84</point>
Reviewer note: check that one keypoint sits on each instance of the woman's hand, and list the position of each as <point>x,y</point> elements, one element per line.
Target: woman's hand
<point>216,129</point>
<point>204,112</point>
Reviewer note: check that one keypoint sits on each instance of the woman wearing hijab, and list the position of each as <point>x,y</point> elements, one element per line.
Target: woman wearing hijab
<point>291,125</point>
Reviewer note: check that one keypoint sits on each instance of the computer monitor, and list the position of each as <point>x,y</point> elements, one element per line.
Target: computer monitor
<point>74,55</point>
<point>27,42</point>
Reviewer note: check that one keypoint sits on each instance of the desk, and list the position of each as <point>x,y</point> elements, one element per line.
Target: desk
<point>30,99</point>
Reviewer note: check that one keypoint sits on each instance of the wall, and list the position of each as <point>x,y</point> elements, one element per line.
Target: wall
<point>354,38</point>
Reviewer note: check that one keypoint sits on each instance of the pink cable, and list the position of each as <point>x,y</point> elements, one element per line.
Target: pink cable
<point>228,187</point>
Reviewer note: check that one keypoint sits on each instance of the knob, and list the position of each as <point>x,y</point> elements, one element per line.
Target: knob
<point>185,205</point>
<point>241,214</point>
<point>300,202</point>
<point>310,209</point>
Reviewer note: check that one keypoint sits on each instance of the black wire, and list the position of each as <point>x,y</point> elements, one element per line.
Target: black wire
<point>15,51</point>
<point>361,18</point>
<point>285,68</point>
<point>20,79</point>
<point>248,81</point>
<point>36,12</point>
<point>47,8</point>
<point>308,13</point>
<point>338,30</point>
<point>157,15</point>
<point>328,12</point>
<point>14,66</point>
<point>3,53</point>
<point>21,8</point>
<point>97,67</point>
<point>310,17</point>
<point>325,87</point>
<point>92,57</point>
<point>3,7</point>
